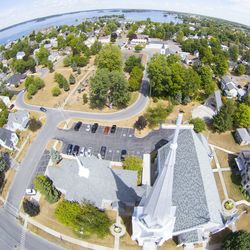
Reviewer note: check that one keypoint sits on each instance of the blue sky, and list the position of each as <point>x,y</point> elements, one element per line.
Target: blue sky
<point>15,11</point>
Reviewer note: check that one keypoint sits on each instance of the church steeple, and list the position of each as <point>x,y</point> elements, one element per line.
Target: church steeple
<point>155,218</point>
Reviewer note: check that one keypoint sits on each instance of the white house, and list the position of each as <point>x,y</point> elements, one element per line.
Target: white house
<point>90,41</point>
<point>8,139</point>
<point>18,120</point>
<point>53,42</point>
<point>104,39</point>
<point>229,87</point>
<point>20,55</point>
<point>242,136</point>
<point>54,56</point>
<point>5,100</point>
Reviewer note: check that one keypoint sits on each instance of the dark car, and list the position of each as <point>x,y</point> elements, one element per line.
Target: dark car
<point>11,106</point>
<point>69,149</point>
<point>103,151</point>
<point>113,129</point>
<point>106,130</point>
<point>94,127</point>
<point>43,109</point>
<point>77,126</point>
<point>76,149</point>
<point>123,154</point>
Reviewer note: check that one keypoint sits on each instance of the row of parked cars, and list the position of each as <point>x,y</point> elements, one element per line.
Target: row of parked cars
<point>94,128</point>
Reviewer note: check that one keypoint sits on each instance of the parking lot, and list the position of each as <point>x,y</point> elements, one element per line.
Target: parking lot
<point>122,139</point>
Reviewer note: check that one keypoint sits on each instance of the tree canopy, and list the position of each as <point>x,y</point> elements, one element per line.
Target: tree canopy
<point>242,116</point>
<point>239,240</point>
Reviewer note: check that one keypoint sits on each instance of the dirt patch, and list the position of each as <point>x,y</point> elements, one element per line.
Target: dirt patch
<point>243,222</point>
<point>226,160</point>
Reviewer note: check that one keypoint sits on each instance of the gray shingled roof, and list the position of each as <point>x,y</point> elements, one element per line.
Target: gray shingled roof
<point>15,79</point>
<point>5,135</point>
<point>243,133</point>
<point>218,100</point>
<point>103,182</point>
<point>194,189</point>
<point>20,117</point>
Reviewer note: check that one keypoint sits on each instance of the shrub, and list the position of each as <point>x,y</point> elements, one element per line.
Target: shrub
<point>31,208</point>
<point>34,124</point>
<point>33,84</point>
<point>72,79</point>
<point>56,91</point>
<point>65,86</point>
<point>3,164</point>
<point>85,98</point>
<point>199,124</point>
<point>60,79</point>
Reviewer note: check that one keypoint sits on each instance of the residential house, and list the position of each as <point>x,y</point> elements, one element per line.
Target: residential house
<point>5,100</point>
<point>53,42</point>
<point>243,163</point>
<point>8,139</point>
<point>54,56</point>
<point>18,120</point>
<point>140,39</point>
<point>20,55</point>
<point>104,39</point>
<point>90,41</point>
<point>242,136</point>
<point>15,79</point>
<point>229,87</point>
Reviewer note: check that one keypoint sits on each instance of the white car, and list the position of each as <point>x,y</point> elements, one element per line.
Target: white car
<point>88,152</point>
<point>82,151</point>
<point>88,128</point>
<point>30,191</point>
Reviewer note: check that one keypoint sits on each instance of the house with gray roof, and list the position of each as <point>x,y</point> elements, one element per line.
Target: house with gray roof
<point>184,200</point>
<point>8,139</point>
<point>228,86</point>
<point>243,163</point>
<point>15,79</point>
<point>242,136</point>
<point>103,186</point>
<point>18,120</point>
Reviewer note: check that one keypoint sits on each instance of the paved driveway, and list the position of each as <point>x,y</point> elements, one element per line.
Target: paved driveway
<point>123,138</point>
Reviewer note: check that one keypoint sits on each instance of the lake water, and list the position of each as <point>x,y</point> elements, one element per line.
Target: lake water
<point>21,30</point>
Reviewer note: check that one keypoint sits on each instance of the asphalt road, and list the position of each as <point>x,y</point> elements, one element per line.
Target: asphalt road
<point>10,236</point>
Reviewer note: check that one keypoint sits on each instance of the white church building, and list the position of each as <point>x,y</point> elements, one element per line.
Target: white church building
<point>183,201</point>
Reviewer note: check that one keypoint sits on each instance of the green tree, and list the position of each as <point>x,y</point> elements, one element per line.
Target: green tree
<point>138,47</point>
<point>72,79</point>
<point>134,163</point>
<point>34,124</point>
<point>83,217</point>
<point>179,36</point>
<point>199,124</point>
<point>42,56</point>
<point>109,57</point>
<point>141,123</point>
<point>240,69</point>
<point>135,79</point>
<point>239,240</point>
<point>95,47</point>
<point>45,186</point>
<point>56,91</point>
<point>242,116</point>
<point>33,84</point>
<point>4,113</point>
<point>50,66</point>
<point>207,82</point>
<point>223,121</point>
<point>234,52</point>
<point>119,93</point>
<point>99,88</point>
<point>31,208</point>
<point>61,80</point>
<point>155,116</point>
<point>132,62</point>
<point>221,65</point>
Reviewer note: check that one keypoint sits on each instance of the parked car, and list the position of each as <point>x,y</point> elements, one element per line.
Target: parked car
<point>113,129</point>
<point>94,127</point>
<point>123,154</point>
<point>11,106</point>
<point>82,151</point>
<point>88,152</point>
<point>88,128</point>
<point>77,126</point>
<point>69,149</point>
<point>30,191</point>
<point>106,130</point>
<point>43,109</point>
<point>103,151</point>
<point>76,149</point>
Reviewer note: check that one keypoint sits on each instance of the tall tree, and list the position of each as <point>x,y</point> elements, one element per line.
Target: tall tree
<point>239,240</point>
<point>242,116</point>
